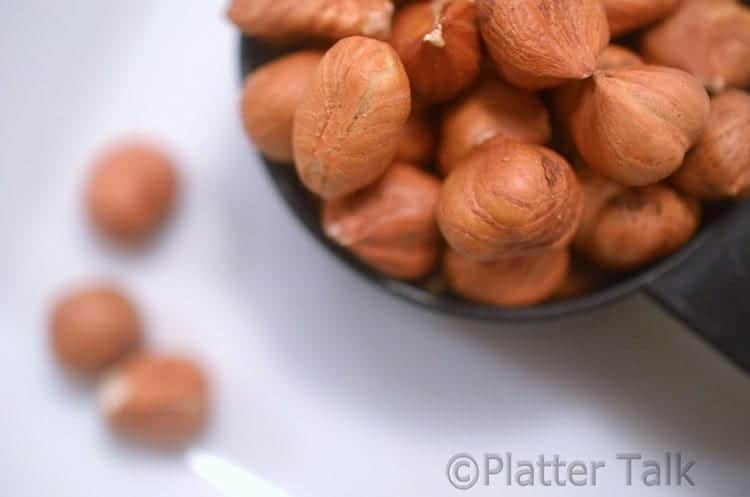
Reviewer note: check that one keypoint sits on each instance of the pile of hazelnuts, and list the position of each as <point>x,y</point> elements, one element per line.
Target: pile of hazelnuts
<point>507,145</point>
<point>96,331</point>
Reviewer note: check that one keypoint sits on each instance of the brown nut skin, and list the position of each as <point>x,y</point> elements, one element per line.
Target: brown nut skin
<point>270,99</point>
<point>418,142</point>
<point>542,43</point>
<point>131,192</point>
<point>597,191</point>
<point>639,226</point>
<point>518,282</point>
<point>718,167</point>
<point>158,401</point>
<point>635,124</point>
<point>92,329</point>
<point>509,199</point>
<point>708,38</point>
<point>390,225</point>
<point>628,15</point>
<point>293,20</point>
<point>492,109</point>
<point>348,126</point>
<point>438,41</point>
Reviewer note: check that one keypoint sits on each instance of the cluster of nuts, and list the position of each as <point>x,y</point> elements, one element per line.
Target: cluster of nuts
<point>509,145</point>
<point>96,332</point>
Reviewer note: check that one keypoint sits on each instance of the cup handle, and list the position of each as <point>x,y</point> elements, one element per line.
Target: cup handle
<point>710,291</point>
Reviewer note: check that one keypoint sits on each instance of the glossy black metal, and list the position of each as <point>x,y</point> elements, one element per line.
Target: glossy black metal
<point>305,208</point>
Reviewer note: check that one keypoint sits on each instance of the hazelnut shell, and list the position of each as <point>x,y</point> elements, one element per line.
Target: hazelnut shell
<point>348,126</point>
<point>418,142</point>
<point>517,282</point>
<point>438,42</point>
<point>492,109</point>
<point>628,15</point>
<point>509,199</point>
<point>156,400</point>
<point>708,38</point>
<point>390,225</point>
<point>718,167</point>
<point>131,192</point>
<point>541,44</point>
<point>270,99</point>
<point>293,20</point>
<point>635,124</point>
<point>94,328</point>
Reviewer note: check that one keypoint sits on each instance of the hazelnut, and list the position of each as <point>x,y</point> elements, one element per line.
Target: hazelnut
<point>94,328</point>
<point>270,99</point>
<point>517,282</point>
<point>509,199</point>
<point>390,225</point>
<point>348,126</point>
<point>582,279</point>
<point>418,142</point>
<point>131,191</point>
<point>492,109</point>
<point>541,44</point>
<point>565,98</point>
<point>635,124</point>
<point>628,15</point>
<point>718,166</point>
<point>160,401</point>
<point>292,20</point>
<point>597,192</point>
<point>638,226</point>
<point>438,41</point>
<point>708,38</point>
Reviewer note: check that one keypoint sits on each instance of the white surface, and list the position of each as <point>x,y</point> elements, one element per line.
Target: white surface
<point>324,386</point>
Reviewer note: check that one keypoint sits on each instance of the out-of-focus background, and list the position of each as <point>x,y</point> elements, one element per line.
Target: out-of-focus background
<point>323,385</point>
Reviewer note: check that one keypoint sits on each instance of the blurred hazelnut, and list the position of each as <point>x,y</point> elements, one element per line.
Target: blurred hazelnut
<point>617,57</point>
<point>635,124</point>
<point>94,328</point>
<point>541,44</point>
<point>159,401</point>
<point>270,99</point>
<point>492,109</point>
<point>718,167</point>
<point>708,38</point>
<point>131,192</point>
<point>418,142</point>
<point>628,15</point>
<point>438,42</point>
<point>390,225</point>
<point>348,126</point>
<point>509,199</point>
<point>292,20</point>
<point>638,226</point>
<point>516,282</point>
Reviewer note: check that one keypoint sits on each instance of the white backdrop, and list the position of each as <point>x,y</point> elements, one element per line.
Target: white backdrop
<point>324,386</point>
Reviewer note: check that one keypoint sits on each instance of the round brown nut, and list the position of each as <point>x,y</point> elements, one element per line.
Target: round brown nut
<point>390,225</point>
<point>438,41</point>
<point>271,97</point>
<point>718,167</point>
<point>628,15</point>
<point>131,192</point>
<point>639,226</point>
<point>509,199</point>
<point>708,38</point>
<point>492,109</point>
<point>635,124</point>
<point>156,400</point>
<point>348,126</point>
<point>94,328</point>
<point>418,142</point>
<point>517,282</point>
<point>293,20</point>
<point>541,44</point>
